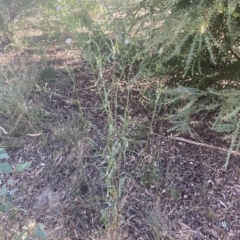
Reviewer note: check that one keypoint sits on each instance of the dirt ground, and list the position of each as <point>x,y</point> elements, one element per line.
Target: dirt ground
<point>172,190</point>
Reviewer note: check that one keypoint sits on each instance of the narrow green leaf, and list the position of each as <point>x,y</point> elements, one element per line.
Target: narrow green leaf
<point>5,168</point>
<point>23,235</point>
<point>23,166</point>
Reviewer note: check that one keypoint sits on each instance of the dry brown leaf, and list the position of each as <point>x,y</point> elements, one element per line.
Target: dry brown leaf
<point>213,232</point>
<point>75,232</point>
<point>185,226</point>
<point>223,204</point>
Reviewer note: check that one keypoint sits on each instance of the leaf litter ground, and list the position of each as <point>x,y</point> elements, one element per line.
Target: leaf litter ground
<point>177,190</point>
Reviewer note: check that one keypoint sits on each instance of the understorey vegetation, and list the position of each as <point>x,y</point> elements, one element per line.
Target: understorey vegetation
<point>123,114</point>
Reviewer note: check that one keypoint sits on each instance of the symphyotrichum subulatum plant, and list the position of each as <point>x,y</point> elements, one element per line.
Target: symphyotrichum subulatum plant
<point>33,230</point>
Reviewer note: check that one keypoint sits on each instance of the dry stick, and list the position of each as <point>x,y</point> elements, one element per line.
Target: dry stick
<point>204,145</point>
<point>4,131</point>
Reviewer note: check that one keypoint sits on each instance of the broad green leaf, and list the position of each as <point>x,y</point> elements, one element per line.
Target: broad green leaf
<point>4,207</point>
<point>7,207</point>
<point>23,166</point>
<point>3,191</point>
<point>40,226</point>
<point>10,199</point>
<point>1,205</point>
<point>5,168</point>
<point>39,232</point>
<point>2,150</point>
<point>3,153</point>
<point>10,182</point>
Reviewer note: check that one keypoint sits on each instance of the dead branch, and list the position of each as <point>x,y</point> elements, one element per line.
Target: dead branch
<point>225,150</point>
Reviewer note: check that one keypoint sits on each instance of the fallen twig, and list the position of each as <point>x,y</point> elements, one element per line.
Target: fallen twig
<point>4,131</point>
<point>34,134</point>
<point>225,150</point>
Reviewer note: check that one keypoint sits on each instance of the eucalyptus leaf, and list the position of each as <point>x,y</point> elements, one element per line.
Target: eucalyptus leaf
<point>23,166</point>
<point>23,235</point>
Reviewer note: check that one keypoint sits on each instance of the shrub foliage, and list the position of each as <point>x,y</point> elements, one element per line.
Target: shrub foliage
<point>194,46</point>
<point>195,42</point>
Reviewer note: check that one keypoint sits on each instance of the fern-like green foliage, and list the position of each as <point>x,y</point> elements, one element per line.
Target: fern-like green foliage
<point>196,40</point>
<point>185,103</point>
<point>194,46</point>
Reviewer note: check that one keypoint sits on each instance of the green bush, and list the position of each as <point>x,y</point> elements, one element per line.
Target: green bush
<point>11,11</point>
<point>196,43</point>
<point>192,47</point>
<point>68,18</point>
